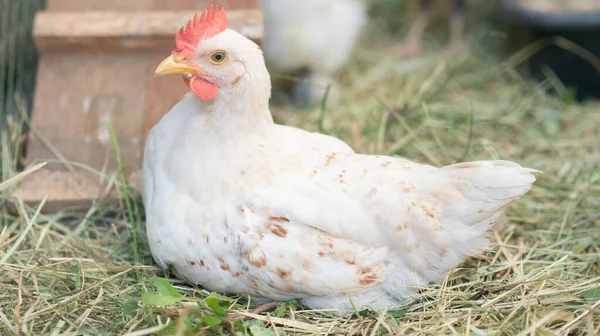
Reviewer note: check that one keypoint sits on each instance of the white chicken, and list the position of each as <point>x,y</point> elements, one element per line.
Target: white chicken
<point>240,205</point>
<point>311,36</point>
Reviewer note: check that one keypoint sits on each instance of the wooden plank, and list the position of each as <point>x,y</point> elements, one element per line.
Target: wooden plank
<point>143,5</point>
<point>76,93</point>
<point>113,30</point>
<point>64,189</point>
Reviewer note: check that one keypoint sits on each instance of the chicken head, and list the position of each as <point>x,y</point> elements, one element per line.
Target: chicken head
<point>210,57</point>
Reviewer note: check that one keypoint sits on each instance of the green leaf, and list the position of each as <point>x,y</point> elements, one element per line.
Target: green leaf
<point>212,321</point>
<point>152,299</point>
<point>130,306</point>
<point>164,287</point>
<point>592,294</point>
<point>258,330</point>
<point>220,297</point>
<point>169,329</point>
<point>281,309</point>
<point>294,304</point>
<point>241,328</point>
<point>214,304</point>
<point>397,313</point>
<point>191,326</point>
<point>569,96</point>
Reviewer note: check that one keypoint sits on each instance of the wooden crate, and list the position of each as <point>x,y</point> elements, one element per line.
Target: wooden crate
<point>97,65</point>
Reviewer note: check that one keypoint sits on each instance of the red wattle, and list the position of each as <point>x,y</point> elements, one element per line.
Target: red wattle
<point>203,89</point>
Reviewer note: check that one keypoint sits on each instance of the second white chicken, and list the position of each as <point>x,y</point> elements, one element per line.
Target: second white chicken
<point>313,36</point>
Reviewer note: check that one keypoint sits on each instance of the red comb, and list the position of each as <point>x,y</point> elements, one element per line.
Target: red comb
<point>211,22</point>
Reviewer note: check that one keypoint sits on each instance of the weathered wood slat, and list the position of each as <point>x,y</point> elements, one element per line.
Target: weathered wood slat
<point>114,30</point>
<point>69,189</point>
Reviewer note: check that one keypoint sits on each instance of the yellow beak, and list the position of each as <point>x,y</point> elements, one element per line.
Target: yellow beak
<point>171,66</point>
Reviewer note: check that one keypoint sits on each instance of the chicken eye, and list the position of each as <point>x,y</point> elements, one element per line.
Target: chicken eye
<point>217,57</point>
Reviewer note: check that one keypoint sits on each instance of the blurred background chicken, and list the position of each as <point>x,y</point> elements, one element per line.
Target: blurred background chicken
<point>311,40</point>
